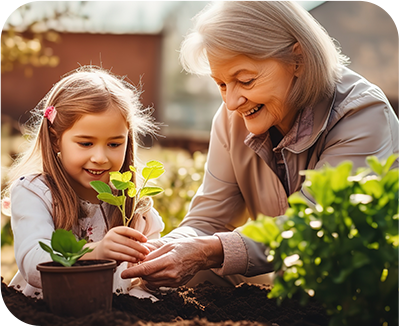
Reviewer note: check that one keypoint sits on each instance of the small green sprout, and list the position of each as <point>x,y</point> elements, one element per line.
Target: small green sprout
<point>65,249</point>
<point>122,181</point>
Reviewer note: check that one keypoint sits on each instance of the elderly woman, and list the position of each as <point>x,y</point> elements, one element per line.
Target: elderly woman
<point>289,104</point>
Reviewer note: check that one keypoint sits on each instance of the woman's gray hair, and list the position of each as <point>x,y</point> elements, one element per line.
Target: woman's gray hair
<point>267,29</point>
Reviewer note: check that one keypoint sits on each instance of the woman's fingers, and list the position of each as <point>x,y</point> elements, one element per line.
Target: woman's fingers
<point>173,264</point>
<point>142,269</point>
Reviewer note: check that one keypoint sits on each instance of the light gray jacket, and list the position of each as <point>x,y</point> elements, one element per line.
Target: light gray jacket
<point>240,178</point>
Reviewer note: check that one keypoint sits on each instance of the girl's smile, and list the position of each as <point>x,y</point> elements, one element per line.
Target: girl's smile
<point>93,147</point>
<point>95,172</point>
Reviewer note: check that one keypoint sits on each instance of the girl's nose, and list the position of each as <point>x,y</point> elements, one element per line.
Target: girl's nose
<point>234,99</point>
<point>99,156</point>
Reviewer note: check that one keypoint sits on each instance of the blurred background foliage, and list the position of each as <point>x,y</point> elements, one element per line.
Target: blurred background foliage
<point>26,45</point>
<point>183,176</point>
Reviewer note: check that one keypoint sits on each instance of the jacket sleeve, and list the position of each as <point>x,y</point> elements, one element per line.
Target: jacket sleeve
<point>218,208</point>
<point>31,222</point>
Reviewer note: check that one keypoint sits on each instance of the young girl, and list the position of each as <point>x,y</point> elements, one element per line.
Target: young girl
<point>85,127</point>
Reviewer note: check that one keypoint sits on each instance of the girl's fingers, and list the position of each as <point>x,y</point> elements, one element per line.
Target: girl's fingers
<point>130,233</point>
<point>134,254</point>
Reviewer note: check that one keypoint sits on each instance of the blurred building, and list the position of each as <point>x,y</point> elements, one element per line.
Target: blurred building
<point>368,35</point>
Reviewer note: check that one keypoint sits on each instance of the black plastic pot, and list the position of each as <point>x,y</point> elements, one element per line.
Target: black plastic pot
<point>79,290</point>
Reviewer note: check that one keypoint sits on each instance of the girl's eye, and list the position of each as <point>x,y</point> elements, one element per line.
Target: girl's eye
<point>85,144</point>
<point>114,145</point>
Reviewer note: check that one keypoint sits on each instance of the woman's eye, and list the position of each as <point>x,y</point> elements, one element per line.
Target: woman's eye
<point>222,86</point>
<point>85,144</point>
<point>247,83</point>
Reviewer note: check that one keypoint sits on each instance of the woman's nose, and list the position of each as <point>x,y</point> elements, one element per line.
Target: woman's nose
<point>233,99</point>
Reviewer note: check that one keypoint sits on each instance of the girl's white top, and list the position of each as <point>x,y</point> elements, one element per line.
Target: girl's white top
<point>31,222</point>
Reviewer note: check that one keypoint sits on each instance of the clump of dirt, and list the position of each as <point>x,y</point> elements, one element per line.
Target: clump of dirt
<point>204,304</point>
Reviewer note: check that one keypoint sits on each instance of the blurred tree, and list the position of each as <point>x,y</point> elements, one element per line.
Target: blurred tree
<point>28,45</point>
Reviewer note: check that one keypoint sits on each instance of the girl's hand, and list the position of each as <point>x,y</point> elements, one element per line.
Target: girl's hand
<point>121,243</point>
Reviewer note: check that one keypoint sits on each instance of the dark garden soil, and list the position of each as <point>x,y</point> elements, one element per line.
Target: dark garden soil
<point>204,304</point>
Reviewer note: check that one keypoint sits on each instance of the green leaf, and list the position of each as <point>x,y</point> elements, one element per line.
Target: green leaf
<point>120,185</point>
<point>374,164</point>
<point>62,260</point>
<point>373,188</point>
<point>100,187</point>
<point>339,178</point>
<point>63,241</point>
<point>111,199</point>
<point>263,230</point>
<point>65,250</point>
<point>150,191</point>
<point>115,175</point>
<point>126,176</point>
<point>153,170</point>
<point>132,168</point>
<point>45,247</point>
<point>132,191</point>
<point>390,160</point>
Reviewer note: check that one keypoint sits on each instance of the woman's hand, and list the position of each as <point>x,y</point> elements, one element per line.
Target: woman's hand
<point>176,262</point>
<point>121,243</point>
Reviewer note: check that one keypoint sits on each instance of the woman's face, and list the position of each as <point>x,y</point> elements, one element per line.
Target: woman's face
<point>256,90</point>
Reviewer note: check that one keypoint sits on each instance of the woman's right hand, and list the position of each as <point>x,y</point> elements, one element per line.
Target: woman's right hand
<point>121,243</point>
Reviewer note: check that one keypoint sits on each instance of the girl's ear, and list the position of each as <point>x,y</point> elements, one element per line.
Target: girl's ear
<point>297,50</point>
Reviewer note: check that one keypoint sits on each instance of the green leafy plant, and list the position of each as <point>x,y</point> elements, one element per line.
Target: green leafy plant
<point>343,250</point>
<point>65,249</point>
<point>122,181</point>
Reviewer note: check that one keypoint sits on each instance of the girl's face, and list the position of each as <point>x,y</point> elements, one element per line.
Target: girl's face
<point>256,90</point>
<point>95,145</point>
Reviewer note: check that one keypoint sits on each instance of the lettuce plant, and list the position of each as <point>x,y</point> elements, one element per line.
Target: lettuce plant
<point>65,249</point>
<point>344,249</point>
<point>122,182</point>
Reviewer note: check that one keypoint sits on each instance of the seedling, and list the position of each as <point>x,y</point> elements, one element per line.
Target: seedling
<point>122,181</point>
<point>344,249</point>
<point>65,249</point>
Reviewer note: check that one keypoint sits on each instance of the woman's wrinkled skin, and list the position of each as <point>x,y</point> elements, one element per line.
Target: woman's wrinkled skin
<point>176,262</point>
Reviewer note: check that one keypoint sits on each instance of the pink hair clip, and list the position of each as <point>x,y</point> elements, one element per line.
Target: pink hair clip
<point>50,113</point>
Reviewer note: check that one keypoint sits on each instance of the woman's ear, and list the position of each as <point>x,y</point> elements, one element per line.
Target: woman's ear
<point>297,54</point>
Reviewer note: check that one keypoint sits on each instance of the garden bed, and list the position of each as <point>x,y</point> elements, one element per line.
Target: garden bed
<point>204,304</point>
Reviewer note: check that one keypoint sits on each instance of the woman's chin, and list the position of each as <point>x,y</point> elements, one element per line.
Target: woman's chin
<point>257,129</point>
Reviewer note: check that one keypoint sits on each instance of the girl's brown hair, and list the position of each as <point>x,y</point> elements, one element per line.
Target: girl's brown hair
<point>86,90</point>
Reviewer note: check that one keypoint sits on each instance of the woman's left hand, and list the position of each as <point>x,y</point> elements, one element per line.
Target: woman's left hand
<point>176,262</point>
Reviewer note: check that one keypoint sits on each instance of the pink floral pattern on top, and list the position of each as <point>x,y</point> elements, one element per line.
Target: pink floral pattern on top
<point>92,228</point>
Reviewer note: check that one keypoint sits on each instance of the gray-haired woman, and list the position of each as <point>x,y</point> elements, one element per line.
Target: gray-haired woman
<point>289,104</point>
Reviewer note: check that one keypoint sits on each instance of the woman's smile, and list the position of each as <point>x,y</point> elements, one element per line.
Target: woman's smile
<point>252,112</point>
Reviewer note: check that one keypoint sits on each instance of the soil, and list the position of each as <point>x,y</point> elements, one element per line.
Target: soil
<point>205,304</point>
